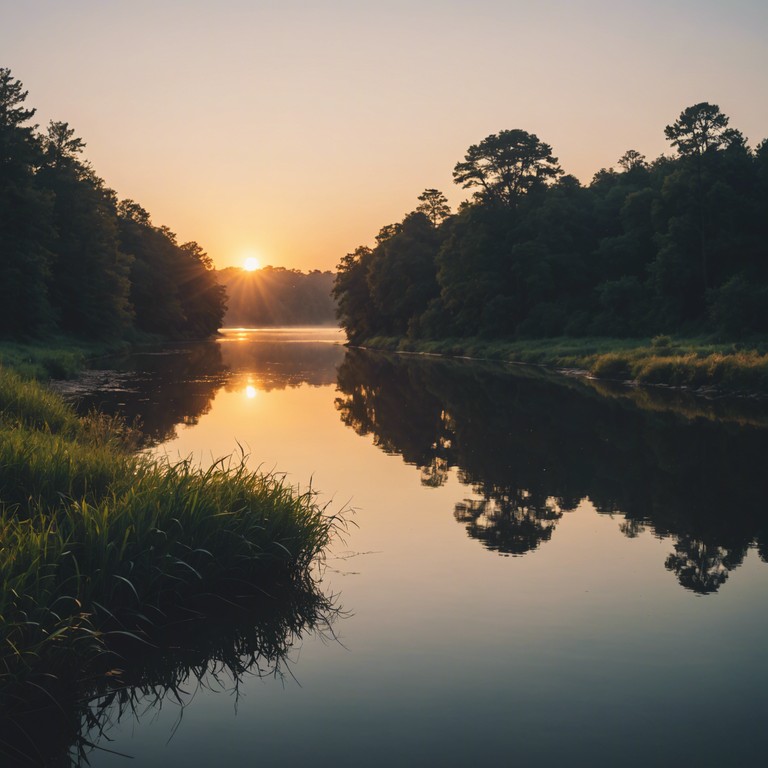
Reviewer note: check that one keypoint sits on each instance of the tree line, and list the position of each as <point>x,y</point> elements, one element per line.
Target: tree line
<point>678,244</point>
<point>275,296</point>
<point>74,258</point>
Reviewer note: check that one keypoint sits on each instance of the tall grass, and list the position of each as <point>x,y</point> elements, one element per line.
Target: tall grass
<point>96,539</point>
<point>681,362</point>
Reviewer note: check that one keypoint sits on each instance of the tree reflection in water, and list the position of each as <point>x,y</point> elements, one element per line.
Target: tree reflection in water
<point>159,389</point>
<point>533,445</point>
<point>511,524</point>
<point>154,389</point>
<point>207,646</point>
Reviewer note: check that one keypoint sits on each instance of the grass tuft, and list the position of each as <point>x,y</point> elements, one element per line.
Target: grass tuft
<point>96,539</point>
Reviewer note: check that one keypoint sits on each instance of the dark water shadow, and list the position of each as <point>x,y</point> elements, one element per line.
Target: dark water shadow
<point>61,717</point>
<point>533,445</point>
<point>154,389</point>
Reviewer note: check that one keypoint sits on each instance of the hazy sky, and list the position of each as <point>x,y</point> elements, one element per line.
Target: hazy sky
<point>294,130</point>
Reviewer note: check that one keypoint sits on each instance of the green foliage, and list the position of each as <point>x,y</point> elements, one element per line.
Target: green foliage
<point>678,245</point>
<point>89,286</point>
<point>355,309</point>
<point>75,261</point>
<point>612,366</point>
<point>401,275</point>
<point>26,230</point>
<point>739,307</point>
<point>506,165</point>
<point>95,537</point>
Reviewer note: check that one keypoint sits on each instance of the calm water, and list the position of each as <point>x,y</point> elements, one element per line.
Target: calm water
<point>541,571</point>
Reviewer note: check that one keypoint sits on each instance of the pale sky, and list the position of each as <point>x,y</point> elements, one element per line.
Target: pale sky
<point>292,131</point>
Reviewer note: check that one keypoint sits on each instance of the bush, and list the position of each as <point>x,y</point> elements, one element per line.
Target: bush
<point>612,366</point>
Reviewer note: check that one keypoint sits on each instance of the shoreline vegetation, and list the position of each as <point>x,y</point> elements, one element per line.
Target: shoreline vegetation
<point>101,545</point>
<point>654,272</point>
<point>56,357</point>
<point>77,261</point>
<point>696,364</point>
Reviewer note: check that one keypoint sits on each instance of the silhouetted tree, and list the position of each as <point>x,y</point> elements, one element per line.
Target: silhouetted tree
<point>434,205</point>
<point>355,309</point>
<point>631,160</point>
<point>72,259</point>
<point>203,299</point>
<point>26,227</point>
<point>700,128</point>
<point>402,274</point>
<point>89,275</point>
<point>506,165</point>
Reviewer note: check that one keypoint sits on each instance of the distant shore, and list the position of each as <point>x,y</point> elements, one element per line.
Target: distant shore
<point>691,363</point>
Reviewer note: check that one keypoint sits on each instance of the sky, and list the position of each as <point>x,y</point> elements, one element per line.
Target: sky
<point>291,131</point>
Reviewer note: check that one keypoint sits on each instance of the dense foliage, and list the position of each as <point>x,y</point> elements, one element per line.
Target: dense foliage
<point>275,296</point>
<point>676,245</point>
<point>75,259</point>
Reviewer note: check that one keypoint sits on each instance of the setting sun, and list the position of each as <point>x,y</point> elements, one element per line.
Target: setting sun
<point>251,264</point>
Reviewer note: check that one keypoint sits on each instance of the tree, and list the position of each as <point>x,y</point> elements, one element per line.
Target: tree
<point>154,280</point>
<point>632,159</point>
<point>26,231</point>
<point>434,205</point>
<point>698,134</point>
<point>62,147</point>
<point>506,165</point>
<point>89,284</point>
<point>203,299</point>
<point>355,308</point>
<point>699,129</point>
<point>402,274</point>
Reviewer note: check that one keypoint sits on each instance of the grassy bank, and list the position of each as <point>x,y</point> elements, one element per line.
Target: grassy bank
<point>97,540</point>
<point>678,362</point>
<point>53,358</point>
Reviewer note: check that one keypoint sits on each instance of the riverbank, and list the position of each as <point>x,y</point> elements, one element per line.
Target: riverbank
<point>56,357</point>
<point>99,541</point>
<point>695,363</point>
<point>64,357</point>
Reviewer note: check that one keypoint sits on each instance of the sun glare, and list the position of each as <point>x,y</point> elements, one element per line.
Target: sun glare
<point>251,264</point>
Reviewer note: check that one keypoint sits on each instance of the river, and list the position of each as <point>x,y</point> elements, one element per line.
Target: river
<point>538,570</point>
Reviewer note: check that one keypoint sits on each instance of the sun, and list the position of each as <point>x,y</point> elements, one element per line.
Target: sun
<point>251,264</point>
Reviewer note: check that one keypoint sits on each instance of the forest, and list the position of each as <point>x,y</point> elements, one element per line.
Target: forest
<point>76,260</point>
<point>275,296</point>
<point>675,245</point>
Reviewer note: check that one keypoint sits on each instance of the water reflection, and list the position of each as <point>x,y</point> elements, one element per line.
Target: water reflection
<point>530,445</point>
<point>511,525</point>
<point>212,647</point>
<point>155,389</point>
<point>533,445</point>
<point>163,388</point>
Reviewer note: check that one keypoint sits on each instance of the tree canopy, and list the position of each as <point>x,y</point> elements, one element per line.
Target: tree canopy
<point>75,259</point>
<point>506,165</point>
<point>678,244</point>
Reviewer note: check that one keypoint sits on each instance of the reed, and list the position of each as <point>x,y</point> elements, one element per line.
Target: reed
<point>97,539</point>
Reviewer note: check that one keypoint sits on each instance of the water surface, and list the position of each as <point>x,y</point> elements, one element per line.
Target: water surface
<point>541,570</point>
